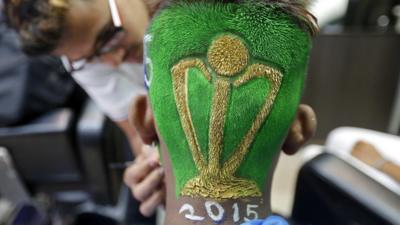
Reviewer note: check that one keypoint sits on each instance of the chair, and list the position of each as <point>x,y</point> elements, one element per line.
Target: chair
<point>65,154</point>
<point>335,189</point>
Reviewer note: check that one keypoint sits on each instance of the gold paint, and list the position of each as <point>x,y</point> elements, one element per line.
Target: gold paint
<point>216,181</point>
<point>217,124</point>
<point>219,189</point>
<point>179,75</point>
<point>227,55</point>
<point>274,77</point>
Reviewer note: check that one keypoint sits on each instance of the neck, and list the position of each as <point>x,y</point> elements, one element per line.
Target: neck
<point>189,211</point>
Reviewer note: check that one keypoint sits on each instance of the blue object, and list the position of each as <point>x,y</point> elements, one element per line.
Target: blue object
<point>28,214</point>
<point>271,220</point>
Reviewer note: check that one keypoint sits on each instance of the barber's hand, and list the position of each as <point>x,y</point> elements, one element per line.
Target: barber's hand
<point>302,129</point>
<point>145,178</point>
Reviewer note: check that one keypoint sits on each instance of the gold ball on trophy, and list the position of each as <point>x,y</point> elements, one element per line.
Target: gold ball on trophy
<point>228,55</point>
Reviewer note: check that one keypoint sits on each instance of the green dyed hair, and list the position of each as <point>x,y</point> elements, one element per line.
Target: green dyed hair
<point>276,34</point>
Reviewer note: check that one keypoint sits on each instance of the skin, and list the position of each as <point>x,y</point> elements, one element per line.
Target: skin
<point>145,176</point>
<point>173,205</point>
<point>79,38</point>
<point>146,173</point>
<point>77,42</point>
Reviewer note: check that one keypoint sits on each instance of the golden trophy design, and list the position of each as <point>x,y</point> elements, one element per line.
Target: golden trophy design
<point>226,68</point>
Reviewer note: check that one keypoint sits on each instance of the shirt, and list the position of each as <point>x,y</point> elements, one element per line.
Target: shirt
<point>271,220</point>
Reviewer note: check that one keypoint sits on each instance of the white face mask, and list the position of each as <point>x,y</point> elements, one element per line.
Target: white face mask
<point>111,88</point>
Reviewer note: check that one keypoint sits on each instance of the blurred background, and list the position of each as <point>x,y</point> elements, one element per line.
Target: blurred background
<point>57,149</point>
<point>353,83</point>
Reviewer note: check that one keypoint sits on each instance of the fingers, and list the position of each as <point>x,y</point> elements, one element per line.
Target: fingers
<point>141,191</point>
<point>145,179</point>
<point>142,166</point>
<point>148,207</point>
<point>302,129</point>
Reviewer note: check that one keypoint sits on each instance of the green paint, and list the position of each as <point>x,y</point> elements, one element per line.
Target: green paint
<point>200,96</point>
<point>185,31</point>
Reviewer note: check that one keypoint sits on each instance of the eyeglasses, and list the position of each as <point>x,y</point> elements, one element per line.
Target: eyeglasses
<point>107,40</point>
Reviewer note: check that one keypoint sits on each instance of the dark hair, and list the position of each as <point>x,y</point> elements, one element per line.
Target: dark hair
<point>39,23</point>
<point>297,9</point>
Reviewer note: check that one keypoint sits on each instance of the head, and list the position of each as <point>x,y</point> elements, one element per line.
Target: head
<point>78,29</point>
<point>225,79</point>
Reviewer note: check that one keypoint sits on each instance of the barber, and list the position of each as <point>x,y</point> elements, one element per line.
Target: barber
<point>100,44</point>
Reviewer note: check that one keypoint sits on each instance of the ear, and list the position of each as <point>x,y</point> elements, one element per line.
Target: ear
<point>302,129</point>
<point>141,117</point>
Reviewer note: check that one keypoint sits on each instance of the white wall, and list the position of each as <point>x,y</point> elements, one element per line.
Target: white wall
<point>328,10</point>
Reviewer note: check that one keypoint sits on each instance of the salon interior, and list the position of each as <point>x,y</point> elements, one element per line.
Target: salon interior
<point>61,166</point>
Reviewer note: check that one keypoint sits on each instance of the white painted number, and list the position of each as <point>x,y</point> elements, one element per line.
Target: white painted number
<point>251,212</point>
<point>217,213</point>
<point>190,215</point>
<point>236,216</point>
<point>216,217</point>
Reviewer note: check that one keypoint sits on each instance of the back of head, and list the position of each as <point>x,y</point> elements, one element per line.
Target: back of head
<point>225,80</point>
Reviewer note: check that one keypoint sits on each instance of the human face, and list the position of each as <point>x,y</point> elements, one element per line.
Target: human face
<point>86,23</point>
<point>107,40</point>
